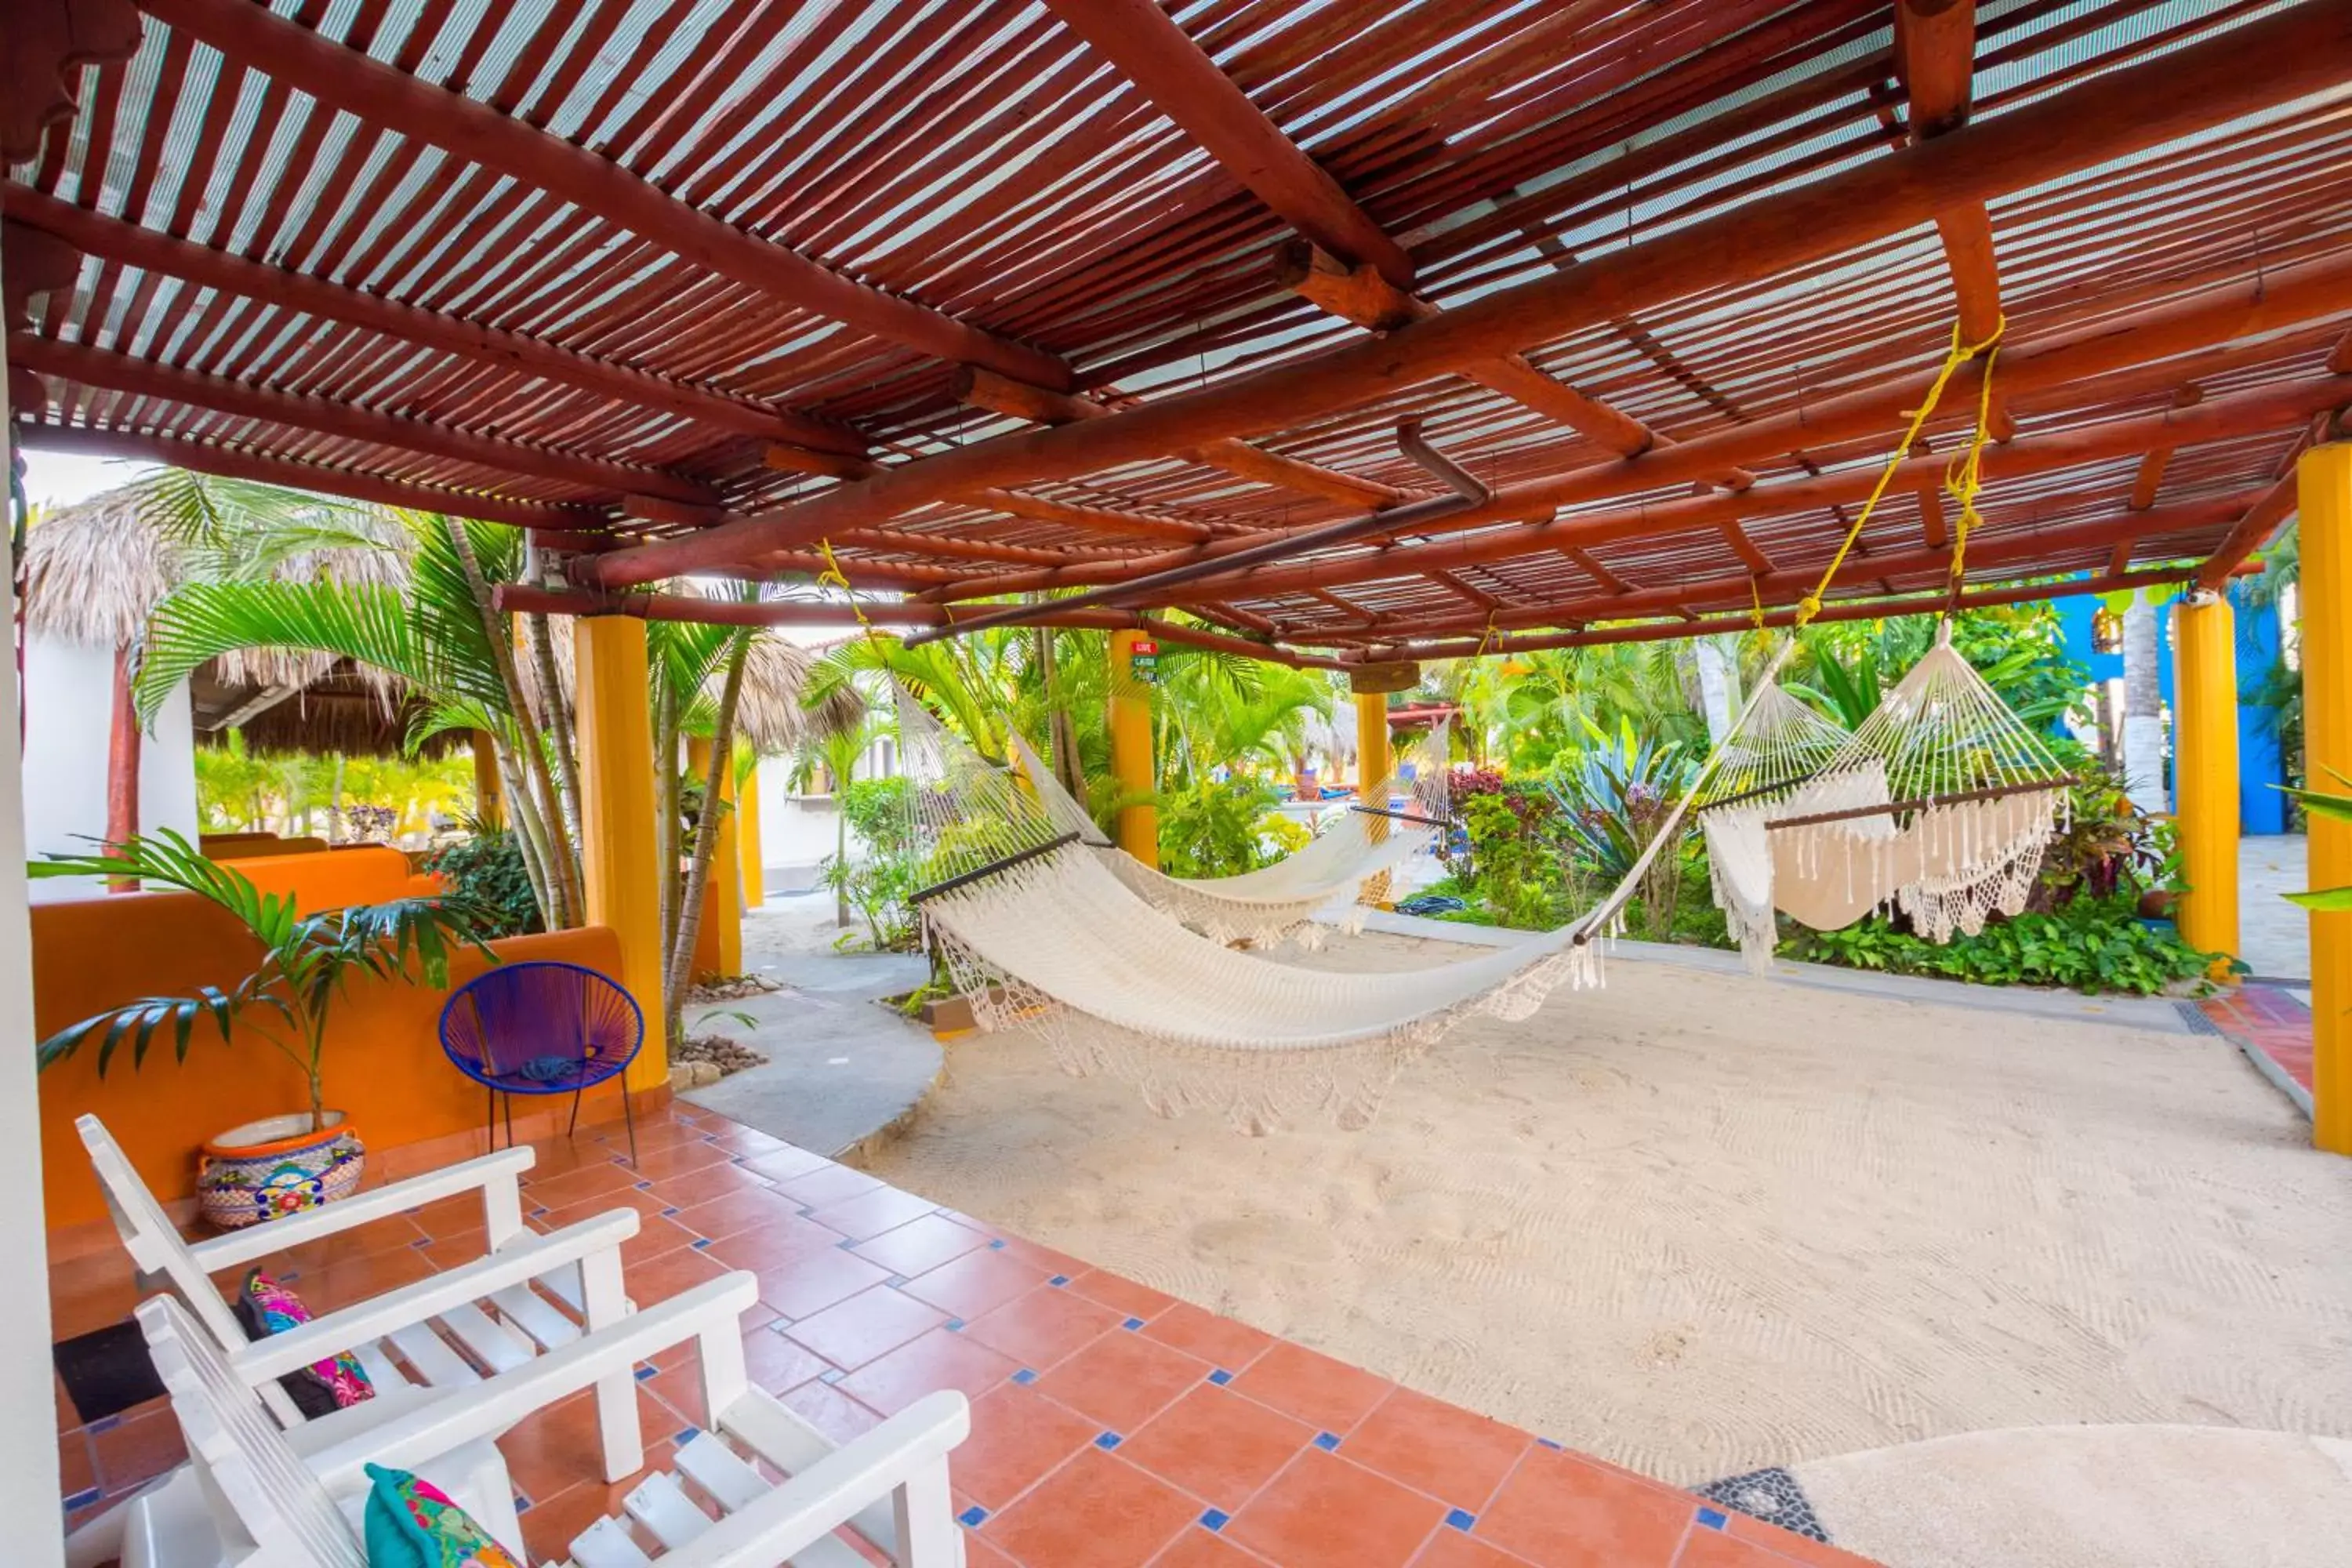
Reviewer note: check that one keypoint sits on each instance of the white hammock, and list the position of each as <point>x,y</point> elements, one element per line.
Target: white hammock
<point>1783,745</point>
<point>1971,797</point>
<point>1045,925</point>
<point>1275,901</point>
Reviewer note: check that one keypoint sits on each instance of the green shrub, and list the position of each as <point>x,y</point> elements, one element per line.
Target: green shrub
<point>485,869</point>
<point>2092,945</point>
<point>1217,829</point>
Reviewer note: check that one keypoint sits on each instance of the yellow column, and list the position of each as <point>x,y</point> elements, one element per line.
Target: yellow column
<point>718,940</point>
<point>489,790</point>
<point>616,807</point>
<point>1134,771</point>
<point>1374,763</point>
<point>746,833</point>
<point>2323,485</point>
<point>2205,768</point>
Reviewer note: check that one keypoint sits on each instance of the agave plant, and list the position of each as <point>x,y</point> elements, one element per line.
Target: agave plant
<point>1615,802</point>
<point>307,960</point>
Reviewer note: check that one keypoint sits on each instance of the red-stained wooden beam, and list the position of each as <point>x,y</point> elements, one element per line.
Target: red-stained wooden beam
<point>2249,533</point>
<point>1184,84</point>
<point>2250,66</point>
<point>1935,54</point>
<point>1001,395</point>
<point>240,463</point>
<point>152,251</point>
<point>2151,478</point>
<point>1362,296</point>
<point>145,378</point>
<point>381,95</point>
<point>517,599</point>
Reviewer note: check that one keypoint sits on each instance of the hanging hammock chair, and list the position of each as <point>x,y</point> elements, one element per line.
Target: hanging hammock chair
<point>1783,746</point>
<point>1276,902</point>
<point>1939,807</point>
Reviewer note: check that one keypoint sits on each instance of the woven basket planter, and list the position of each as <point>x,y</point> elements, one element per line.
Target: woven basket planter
<point>278,1166</point>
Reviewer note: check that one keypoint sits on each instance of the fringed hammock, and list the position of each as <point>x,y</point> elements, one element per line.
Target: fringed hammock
<point>1276,902</point>
<point>1939,807</point>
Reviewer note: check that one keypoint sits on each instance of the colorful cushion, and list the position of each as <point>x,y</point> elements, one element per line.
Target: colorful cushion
<point>266,1307</point>
<point>412,1523</point>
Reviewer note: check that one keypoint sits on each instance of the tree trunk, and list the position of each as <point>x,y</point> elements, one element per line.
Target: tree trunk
<point>531,839</point>
<point>122,748</point>
<point>705,837</point>
<point>840,862</point>
<point>667,811</point>
<point>550,692</point>
<point>1718,686</point>
<point>2143,737</point>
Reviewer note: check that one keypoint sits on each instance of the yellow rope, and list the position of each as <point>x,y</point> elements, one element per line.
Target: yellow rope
<point>1959,355</point>
<point>1964,475</point>
<point>835,575</point>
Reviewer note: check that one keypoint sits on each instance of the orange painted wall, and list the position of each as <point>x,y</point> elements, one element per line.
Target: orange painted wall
<point>383,1062</point>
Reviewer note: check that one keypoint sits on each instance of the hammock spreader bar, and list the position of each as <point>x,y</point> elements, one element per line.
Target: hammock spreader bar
<point>1401,816</point>
<point>1001,863</point>
<point>1922,802</point>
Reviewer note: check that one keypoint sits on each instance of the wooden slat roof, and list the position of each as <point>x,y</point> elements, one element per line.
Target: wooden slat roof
<point>630,270</point>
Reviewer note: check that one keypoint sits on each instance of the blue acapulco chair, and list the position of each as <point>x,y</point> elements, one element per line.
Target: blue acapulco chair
<point>543,1027</point>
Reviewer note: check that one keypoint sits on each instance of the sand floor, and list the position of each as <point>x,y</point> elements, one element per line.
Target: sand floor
<point>1699,1224</point>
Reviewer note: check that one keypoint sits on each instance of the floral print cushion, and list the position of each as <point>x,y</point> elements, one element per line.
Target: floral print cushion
<point>412,1523</point>
<point>267,1306</point>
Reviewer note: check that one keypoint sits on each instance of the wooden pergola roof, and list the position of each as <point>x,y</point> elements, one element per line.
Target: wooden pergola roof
<point>1456,323</point>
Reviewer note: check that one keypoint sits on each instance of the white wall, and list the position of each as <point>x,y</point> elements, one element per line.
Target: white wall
<point>797,830</point>
<point>68,707</point>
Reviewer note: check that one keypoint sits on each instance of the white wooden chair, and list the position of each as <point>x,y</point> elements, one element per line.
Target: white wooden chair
<point>527,1294</point>
<point>273,1501</point>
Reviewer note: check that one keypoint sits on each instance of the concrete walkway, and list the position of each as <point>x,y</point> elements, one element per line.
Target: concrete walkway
<point>2275,935</point>
<point>841,1067</point>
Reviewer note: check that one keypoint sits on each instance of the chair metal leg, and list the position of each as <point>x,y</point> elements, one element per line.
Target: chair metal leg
<point>509,1099</point>
<point>490,1121</point>
<point>573,1131</point>
<point>629,1117</point>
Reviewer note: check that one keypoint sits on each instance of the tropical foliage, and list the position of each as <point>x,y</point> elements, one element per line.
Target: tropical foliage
<point>299,793</point>
<point>307,962</point>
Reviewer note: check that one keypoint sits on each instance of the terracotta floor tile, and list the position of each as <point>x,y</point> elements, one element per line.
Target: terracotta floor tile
<point>921,1244</point>
<point>832,1411</point>
<point>658,1165</point>
<point>1312,1386</point>
<point>1218,1341</point>
<point>1202,1548</point>
<point>775,1242</point>
<point>872,1213</point>
<point>681,1268</point>
<point>646,1204</point>
<point>939,1359</point>
<point>365,1241</point>
<point>1439,1448</point>
<point>1324,1509</point>
<point>1217,1445</point>
<point>1018,1436</point>
<point>750,1142</point>
<point>1095,1511</point>
<point>577,1185</point>
<point>828,1183</point>
<point>1455,1549</point>
<point>361,1278</point>
<point>1118,1292</point>
<point>745,1209</point>
<point>557,1448</point>
<point>709,1182</point>
<point>550,1526</point>
<point>1123,1380</point>
<point>815,1281</point>
<point>854,1331</point>
<point>1706,1548</point>
<point>1042,1327</point>
<point>974,1285</point>
<point>785,1163</point>
<point>89,1293</point>
<point>77,1468</point>
<point>1560,1512</point>
<point>1031,1253</point>
<point>776,1363</point>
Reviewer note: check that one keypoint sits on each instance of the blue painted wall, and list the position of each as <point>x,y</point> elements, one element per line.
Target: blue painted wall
<point>2261,807</point>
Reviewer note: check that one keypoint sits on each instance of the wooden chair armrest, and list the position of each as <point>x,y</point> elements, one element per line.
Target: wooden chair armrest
<point>827,1495</point>
<point>485,1409</point>
<point>241,1246</point>
<point>372,1319</point>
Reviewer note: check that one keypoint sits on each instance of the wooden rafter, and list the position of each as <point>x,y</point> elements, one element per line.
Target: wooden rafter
<point>1934,51</point>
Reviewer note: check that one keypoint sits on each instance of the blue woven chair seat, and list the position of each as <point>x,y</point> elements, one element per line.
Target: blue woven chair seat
<point>541,1028</point>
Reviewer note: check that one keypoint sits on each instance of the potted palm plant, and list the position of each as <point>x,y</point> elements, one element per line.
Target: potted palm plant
<point>279,1163</point>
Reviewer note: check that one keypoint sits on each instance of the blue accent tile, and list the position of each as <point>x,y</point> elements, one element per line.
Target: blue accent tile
<point>422,1241</point>
<point>895,1279</point>
<point>1326,1441</point>
<point>1221,1377</point>
<point>540,1213</point>
<point>645,1371</point>
<point>1059,1279</point>
<point>844,1244</point>
<point>83,1498</point>
<point>974,1517</point>
<point>1712,1518</point>
<point>701,1243</point>
<point>522,1503</point>
<point>108,1423</point>
<point>1025,1377</point>
<point>642,1186</point>
<point>953,1325</point>
<point>996,1245</point>
<point>1106,1441</point>
<point>1132,1324</point>
<point>1548,1443</point>
<point>831,1374</point>
<point>1214,1519</point>
<point>669,1211</point>
<point>686,1435</point>
<point>1460,1518</point>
